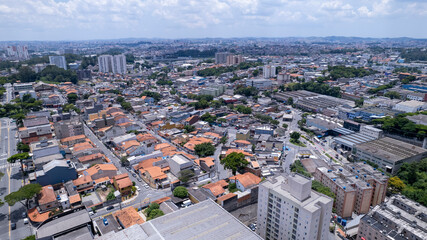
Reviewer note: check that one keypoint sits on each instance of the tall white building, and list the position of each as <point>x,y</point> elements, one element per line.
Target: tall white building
<point>289,209</point>
<point>115,64</point>
<point>269,71</point>
<point>58,61</point>
<point>18,52</point>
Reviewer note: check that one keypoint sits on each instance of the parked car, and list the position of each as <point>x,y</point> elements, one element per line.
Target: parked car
<point>13,226</point>
<point>137,188</point>
<point>105,221</point>
<point>139,179</point>
<point>26,221</point>
<point>110,207</point>
<point>24,214</point>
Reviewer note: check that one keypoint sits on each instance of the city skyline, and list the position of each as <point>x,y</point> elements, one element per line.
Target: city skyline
<point>24,20</point>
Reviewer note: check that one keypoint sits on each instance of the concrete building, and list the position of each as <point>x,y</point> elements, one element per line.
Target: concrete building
<point>389,153</point>
<point>69,128</point>
<point>410,106</point>
<point>115,64</point>
<point>260,84</point>
<point>213,90</point>
<point>178,163</point>
<point>18,52</point>
<point>283,78</point>
<point>18,87</point>
<point>269,71</point>
<point>289,209</point>
<point>356,187</point>
<point>371,131</point>
<point>397,219</point>
<point>234,59</point>
<point>105,63</point>
<point>119,64</point>
<point>35,129</point>
<point>58,61</point>
<point>44,148</point>
<point>205,220</point>
<point>221,57</point>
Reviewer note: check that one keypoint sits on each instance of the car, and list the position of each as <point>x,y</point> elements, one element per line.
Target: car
<point>26,221</point>
<point>110,207</point>
<point>146,186</point>
<point>105,221</point>
<point>137,188</point>
<point>13,226</point>
<point>24,214</point>
<point>134,175</point>
<point>139,179</point>
<point>91,213</point>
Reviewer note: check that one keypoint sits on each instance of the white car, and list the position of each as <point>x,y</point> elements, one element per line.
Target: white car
<point>137,188</point>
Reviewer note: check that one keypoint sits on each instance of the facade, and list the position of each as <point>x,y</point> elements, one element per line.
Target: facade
<point>398,218</point>
<point>18,52</point>
<point>221,57</point>
<point>269,71</point>
<point>356,187</point>
<point>178,163</point>
<point>35,129</point>
<point>234,59</point>
<point>289,209</point>
<point>115,64</point>
<point>389,153</point>
<point>371,131</point>
<point>58,61</point>
<point>69,128</point>
<point>213,90</point>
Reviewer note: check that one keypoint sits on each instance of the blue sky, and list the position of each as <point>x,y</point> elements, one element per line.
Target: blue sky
<point>112,19</point>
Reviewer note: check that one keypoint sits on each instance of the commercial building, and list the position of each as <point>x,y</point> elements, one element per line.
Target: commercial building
<point>44,148</point>
<point>35,129</point>
<point>289,209</point>
<point>115,64</point>
<point>58,61</point>
<point>372,132</point>
<point>410,106</point>
<point>204,220</point>
<point>389,153</point>
<point>69,128</point>
<point>356,187</point>
<point>260,84</point>
<point>269,71</point>
<point>397,219</point>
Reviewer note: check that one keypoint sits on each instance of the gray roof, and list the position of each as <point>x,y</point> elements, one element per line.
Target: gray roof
<point>54,163</point>
<point>37,121</point>
<point>205,220</point>
<point>63,224</point>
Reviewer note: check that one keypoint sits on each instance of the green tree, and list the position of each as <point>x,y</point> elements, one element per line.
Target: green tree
<point>155,213</point>
<point>23,195</point>
<point>234,161</point>
<point>395,184</point>
<point>22,147</point>
<point>111,196</point>
<point>18,156</point>
<point>70,107</point>
<point>180,192</point>
<point>31,237</point>
<point>392,95</point>
<point>295,136</point>
<point>290,101</point>
<point>204,149</point>
<point>224,140</point>
<point>285,125</point>
<point>189,128</point>
<point>185,175</point>
<point>72,98</point>
<point>359,102</point>
<point>120,99</point>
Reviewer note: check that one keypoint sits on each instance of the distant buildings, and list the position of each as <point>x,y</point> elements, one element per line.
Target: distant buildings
<point>289,209</point>
<point>18,52</point>
<point>410,106</point>
<point>260,84</point>
<point>398,218</point>
<point>221,57</point>
<point>58,61</point>
<point>213,90</point>
<point>115,64</point>
<point>234,59</point>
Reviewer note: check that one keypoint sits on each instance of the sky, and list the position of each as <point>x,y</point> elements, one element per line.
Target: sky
<point>113,19</point>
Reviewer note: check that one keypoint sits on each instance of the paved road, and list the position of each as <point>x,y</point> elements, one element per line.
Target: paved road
<point>10,182</point>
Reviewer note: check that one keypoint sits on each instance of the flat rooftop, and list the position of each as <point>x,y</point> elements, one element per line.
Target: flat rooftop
<point>390,149</point>
<point>205,220</point>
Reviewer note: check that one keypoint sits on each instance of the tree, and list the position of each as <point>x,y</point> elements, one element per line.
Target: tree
<point>111,196</point>
<point>295,136</point>
<point>18,156</point>
<point>395,184</point>
<point>124,161</point>
<point>285,125</point>
<point>224,140</point>
<point>185,175</point>
<point>22,147</point>
<point>155,213</point>
<point>392,95</point>
<point>180,192</point>
<point>72,98</point>
<point>120,99</point>
<point>23,195</point>
<point>70,107</point>
<point>31,237</point>
<point>189,128</point>
<point>204,149</point>
<point>290,101</point>
<point>234,161</point>
<point>359,102</point>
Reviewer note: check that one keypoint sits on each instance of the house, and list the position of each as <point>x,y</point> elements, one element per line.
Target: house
<point>245,181</point>
<point>196,141</point>
<point>35,129</point>
<point>84,184</point>
<point>47,199</point>
<point>128,217</point>
<point>120,139</point>
<point>71,141</point>
<point>101,170</point>
<point>154,176</point>
<point>97,158</point>
<point>111,132</point>
<point>178,163</point>
<point>207,163</point>
<point>147,100</point>
<point>123,184</point>
<point>132,148</point>
<point>216,189</point>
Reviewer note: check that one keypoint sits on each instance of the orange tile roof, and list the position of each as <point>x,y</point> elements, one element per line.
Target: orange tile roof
<point>100,180</point>
<point>82,180</point>
<point>231,150</point>
<point>36,216</point>
<point>128,217</point>
<point>104,167</point>
<point>143,137</point>
<point>82,146</point>
<point>160,146</point>
<point>156,123</point>
<point>47,195</point>
<point>247,179</point>
<point>147,163</point>
<point>155,172</point>
<point>90,157</point>
<point>215,135</point>
<point>209,161</point>
<point>75,198</point>
<point>216,188</point>
<point>123,180</point>
<point>161,200</point>
<point>128,144</point>
<point>195,141</point>
<point>242,142</point>
<point>226,196</point>
<point>72,138</point>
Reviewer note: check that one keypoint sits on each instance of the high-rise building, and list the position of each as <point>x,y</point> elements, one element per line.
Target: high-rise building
<point>234,59</point>
<point>58,61</point>
<point>283,78</point>
<point>269,71</point>
<point>115,64</point>
<point>18,52</point>
<point>289,209</point>
<point>221,57</point>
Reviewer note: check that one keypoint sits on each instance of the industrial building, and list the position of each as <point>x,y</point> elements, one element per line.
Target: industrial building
<point>389,153</point>
<point>397,219</point>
